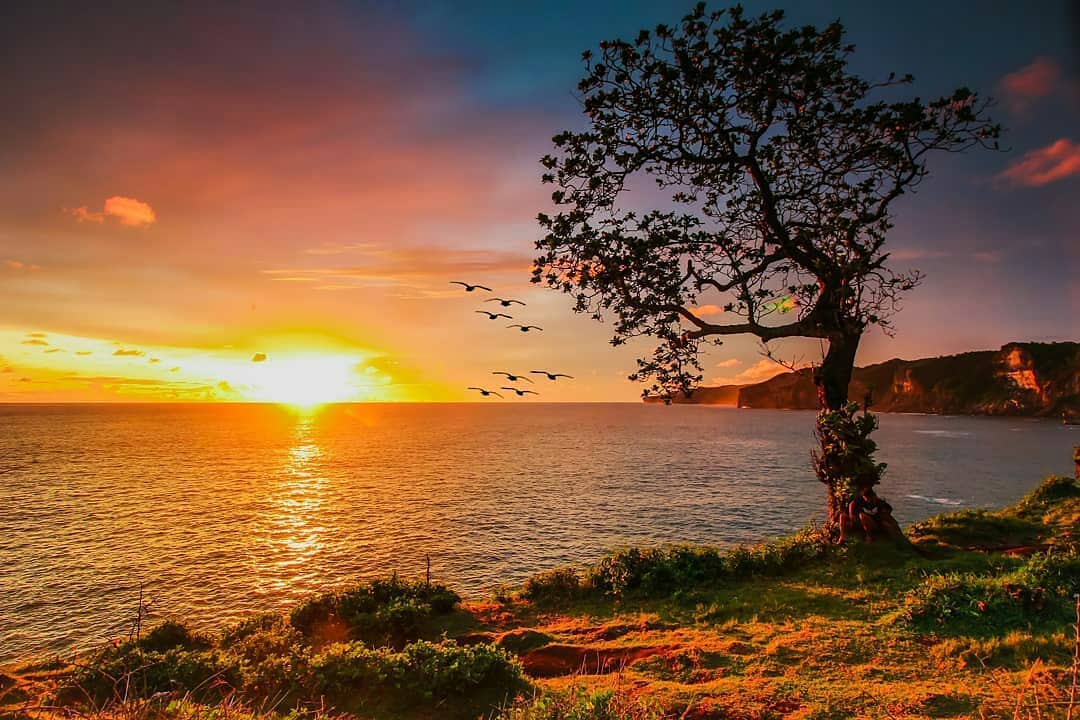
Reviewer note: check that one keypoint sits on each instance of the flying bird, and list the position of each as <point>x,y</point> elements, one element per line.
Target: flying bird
<point>468,287</point>
<point>505,302</point>
<point>550,375</point>
<point>494,316</point>
<point>520,393</point>
<point>485,393</point>
<point>526,328</point>
<point>511,377</point>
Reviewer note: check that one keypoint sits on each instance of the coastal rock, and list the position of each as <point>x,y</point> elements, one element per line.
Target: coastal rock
<point>1036,379</point>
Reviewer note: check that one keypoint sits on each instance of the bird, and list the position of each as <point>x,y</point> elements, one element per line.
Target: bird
<point>494,316</point>
<point>468,287</point>
<point>520,393</point>
<point>485,393</point>
<point>504,301</point>
<point>526,328</point>
<point>511,377</point>
<point>551,375</point>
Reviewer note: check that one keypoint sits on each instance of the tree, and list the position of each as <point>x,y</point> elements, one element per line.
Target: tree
<point>775,170</point>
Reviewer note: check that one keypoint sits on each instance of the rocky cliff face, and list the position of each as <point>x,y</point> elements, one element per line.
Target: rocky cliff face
<point>1018,379</point>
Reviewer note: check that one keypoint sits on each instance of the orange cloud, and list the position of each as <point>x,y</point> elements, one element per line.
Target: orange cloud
<point>128,211</point>
<point>258,357</point>
<point>732,362</point>
<point>1029,83</point>
<point>34,341</point>
<point>121,352</point>
<point>758,372</point>
<point>19,265</point>
<point>1045,165</point>
<point>411,266</point>
<point>707,310</point>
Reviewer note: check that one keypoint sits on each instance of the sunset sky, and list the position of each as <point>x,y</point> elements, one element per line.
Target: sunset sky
<point>267,201</point>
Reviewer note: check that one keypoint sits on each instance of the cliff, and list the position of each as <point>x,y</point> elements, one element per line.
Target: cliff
<point>1018,379</point>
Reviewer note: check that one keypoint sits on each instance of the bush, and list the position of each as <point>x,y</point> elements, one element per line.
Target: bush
<point>657,572</point>
<point>1040,589</point>
<point>172,634</point>
<point>126,671</point>
<point>559,584</point>
<point>272,654</point>
<point>1052,490</point>
<point>393,611</point>
<point>353,674</point>
<point>578,703</point>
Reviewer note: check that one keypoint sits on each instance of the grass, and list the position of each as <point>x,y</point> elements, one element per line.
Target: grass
<point>979,617</point>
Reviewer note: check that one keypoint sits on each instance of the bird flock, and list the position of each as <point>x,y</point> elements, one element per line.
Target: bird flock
<point>510,377</point>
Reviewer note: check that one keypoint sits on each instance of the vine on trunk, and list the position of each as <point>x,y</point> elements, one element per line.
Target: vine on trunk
<point>845,461</point>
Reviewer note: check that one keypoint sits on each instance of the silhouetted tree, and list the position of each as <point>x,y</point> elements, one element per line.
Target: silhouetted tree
<point>775,169</point>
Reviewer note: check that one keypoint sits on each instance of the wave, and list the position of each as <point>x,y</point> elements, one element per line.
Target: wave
<point>937,501</point>
<point>947,433</point>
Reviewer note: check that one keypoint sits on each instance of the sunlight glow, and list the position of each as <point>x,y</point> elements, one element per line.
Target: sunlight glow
<point>302,380</point>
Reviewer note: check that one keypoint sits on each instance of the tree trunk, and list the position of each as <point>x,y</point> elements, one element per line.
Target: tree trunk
<point>834,375</point>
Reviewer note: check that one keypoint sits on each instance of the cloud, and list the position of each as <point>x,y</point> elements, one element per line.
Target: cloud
<point>128,211</point>
<point>174,369</point>
<point>53,350</point>
<point>1029,83</point>
<point>905,254</point>
<point>121,352</point>
<point>83,215</point>
<point>415,265</point>
<point>731,362</point>
<point>707,310</point>
<point>1054,162</point>
<point>258,357</point>
<point>84,352</point>
<point>758,372</point>
<point>12,264</point>
<point>37,335</point>
<point>34,341</point>
<point>155,360</point>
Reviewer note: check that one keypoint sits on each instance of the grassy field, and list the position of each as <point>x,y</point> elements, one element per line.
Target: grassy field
<point>977,623</point>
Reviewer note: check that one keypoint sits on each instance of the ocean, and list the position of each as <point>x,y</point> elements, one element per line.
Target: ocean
<point>215,511</point>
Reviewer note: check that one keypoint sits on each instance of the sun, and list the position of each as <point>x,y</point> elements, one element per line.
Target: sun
<point>303,380</point>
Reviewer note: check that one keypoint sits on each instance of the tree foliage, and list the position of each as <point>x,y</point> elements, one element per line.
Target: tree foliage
<point>775,169</point>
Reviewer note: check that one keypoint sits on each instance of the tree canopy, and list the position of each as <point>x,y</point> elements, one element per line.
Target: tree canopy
<point>775,171</point>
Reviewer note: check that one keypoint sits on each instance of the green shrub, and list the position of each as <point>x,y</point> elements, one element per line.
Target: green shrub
<point>1039,590</point>
<point>382,611</point>
<point>563,583</point>
<point>1052,490</point>
<point>272,654</point>
<point>577,703</point>
<point>312,612</point>
<point>126,671</point>
<point>172,634</point>
<point>657,572</point>
<point>353,674</point>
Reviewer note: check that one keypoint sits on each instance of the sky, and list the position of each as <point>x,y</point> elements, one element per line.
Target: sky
<point>268,201</point>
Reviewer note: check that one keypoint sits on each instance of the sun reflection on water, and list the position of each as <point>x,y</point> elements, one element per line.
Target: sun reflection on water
<point>289,533</point>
